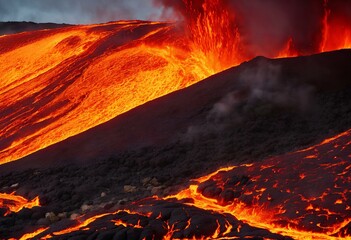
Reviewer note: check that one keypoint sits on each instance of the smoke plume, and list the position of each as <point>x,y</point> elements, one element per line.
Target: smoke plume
<point>266,26</point>
<point>264,85</point>
<point>76,11</point>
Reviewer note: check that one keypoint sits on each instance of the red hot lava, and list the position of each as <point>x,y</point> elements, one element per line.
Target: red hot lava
<point>303,195</point>
<point>58,83</point>
<point>15,203</point>
<point>54,81</point>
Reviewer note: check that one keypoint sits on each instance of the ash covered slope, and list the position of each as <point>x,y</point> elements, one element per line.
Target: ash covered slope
<point>283,104</point>
<point>18,27</point>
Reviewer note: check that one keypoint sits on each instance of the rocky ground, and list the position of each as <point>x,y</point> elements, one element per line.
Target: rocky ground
<point>240,128</point>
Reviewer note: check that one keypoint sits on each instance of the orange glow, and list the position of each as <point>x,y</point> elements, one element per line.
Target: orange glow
<point>83,224</point>
<point>125,224</point>
<point>33,234</point>
<point>339,38</point>
<point>336,33</point>
<point>214,38</point>
<point>58,83</point>
<point>120,222</point>
<point>63,82</point>
<point>282,194</point>
<point>15,203</point>
<point>289,50</point>
<point>275,215</point>
<point>170,232</point>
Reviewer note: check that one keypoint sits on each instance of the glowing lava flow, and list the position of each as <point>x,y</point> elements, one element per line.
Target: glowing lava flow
<point>15,203</point>
<point>83,224</point>
<point>304,195</point>
<point>32,235</point>
<point>58,83</point>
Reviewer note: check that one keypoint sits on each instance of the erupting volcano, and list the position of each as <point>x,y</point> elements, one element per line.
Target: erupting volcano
<point>96,117</point>
<point>58,83</point>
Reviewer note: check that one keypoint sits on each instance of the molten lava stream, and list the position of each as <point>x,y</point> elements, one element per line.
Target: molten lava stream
<point>304,195</point>
<point>59,83</point>
<point>15,203</point>
<point>31,235</point>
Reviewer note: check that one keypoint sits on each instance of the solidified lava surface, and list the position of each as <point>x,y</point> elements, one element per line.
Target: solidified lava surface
<point>283,166</point>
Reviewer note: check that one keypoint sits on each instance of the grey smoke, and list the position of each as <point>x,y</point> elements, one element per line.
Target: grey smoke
<point>77,11</point>
<point>260,92</point>
<point>264,85</point>
<point>267,25</point>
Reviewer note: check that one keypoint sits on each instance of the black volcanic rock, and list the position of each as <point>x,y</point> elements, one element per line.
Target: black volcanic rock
<point>202,223</point>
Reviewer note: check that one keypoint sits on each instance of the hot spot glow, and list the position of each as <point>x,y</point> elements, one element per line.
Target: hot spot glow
<point>336,32</point>
<point>58,83</point>
<point>303,195</point>
<point>15,203</point>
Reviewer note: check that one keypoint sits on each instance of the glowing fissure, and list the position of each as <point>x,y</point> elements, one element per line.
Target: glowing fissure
<point>58,83</point>
<point>303,195</point>
<point>213,35</point>
<point>278,196</point>
<point>84,223</point>
<point>31,235</point>
<point>15,203</point>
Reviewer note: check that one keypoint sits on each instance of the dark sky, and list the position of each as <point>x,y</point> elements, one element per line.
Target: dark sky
<point>78,11</point>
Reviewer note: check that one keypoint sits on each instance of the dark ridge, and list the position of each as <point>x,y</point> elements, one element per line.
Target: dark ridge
<point>7,28</point>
